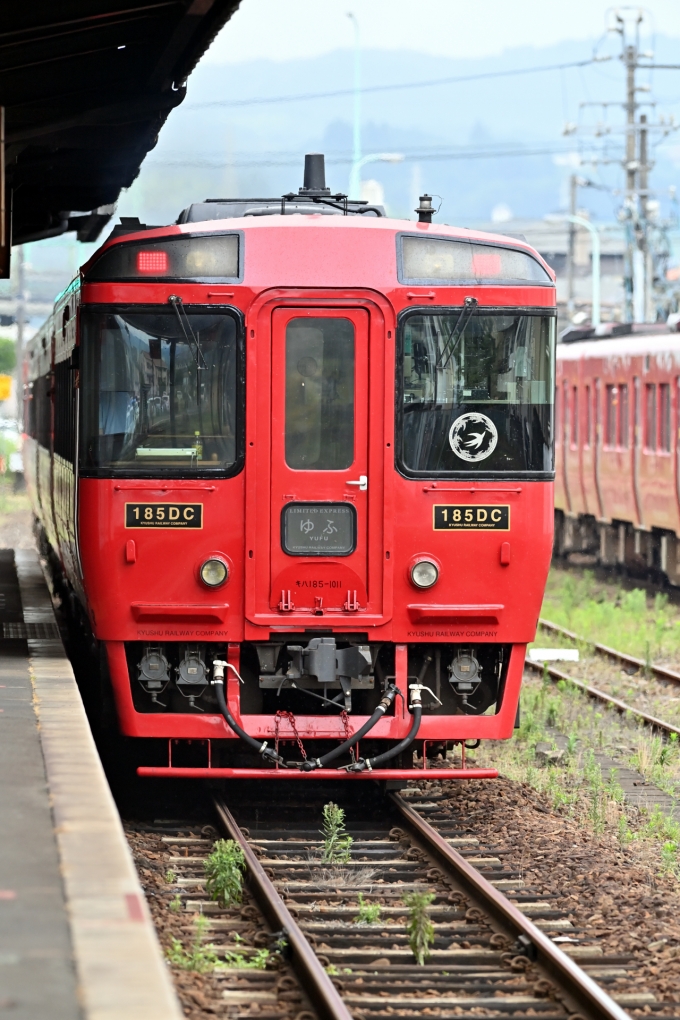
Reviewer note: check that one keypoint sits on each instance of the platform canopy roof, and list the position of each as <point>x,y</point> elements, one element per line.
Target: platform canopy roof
<point>87,86</point>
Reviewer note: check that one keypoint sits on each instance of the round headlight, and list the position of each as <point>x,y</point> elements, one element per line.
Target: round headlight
<point>214,573</point>
<point>424,574</point>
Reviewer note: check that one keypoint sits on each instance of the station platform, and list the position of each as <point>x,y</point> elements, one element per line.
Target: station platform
<point>76,937</point>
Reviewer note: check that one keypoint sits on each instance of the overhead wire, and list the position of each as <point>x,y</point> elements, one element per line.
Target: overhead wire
<point>292,159</point>
<point>429,83</point>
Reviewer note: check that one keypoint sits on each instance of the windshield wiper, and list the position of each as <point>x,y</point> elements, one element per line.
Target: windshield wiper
<point>457,332</point>
<point>178,304</point>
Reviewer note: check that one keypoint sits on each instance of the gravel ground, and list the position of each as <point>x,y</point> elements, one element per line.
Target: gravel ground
<point>201,993</point>
<point>615,894</point>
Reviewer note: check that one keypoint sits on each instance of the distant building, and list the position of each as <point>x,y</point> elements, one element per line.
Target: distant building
<point>552,241</point>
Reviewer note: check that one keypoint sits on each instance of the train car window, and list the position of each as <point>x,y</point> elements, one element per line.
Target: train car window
<point>611,397</point>
<point>43,410</point>
<point>558,408</point>
<point>320,394</point>
<point>565,409</point>
<point>622,437</point>
<point>665,417</point>
<point>588,417</point>
<point>162,394</point>
<point>476,398</point>
<point>64,411</point>
<point>650,416</point>
<point>574,420</point>
<point>433,260</point>
<point>30,425</point>
<point>211,257</point>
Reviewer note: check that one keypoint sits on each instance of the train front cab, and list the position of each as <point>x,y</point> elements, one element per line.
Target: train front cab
<point>382,506</point>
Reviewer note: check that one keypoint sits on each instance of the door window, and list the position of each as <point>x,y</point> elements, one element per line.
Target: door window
<point>650,436</point>
<point>319,430</point>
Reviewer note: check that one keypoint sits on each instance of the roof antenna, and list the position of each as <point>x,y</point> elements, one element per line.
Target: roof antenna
<point>315,176</point>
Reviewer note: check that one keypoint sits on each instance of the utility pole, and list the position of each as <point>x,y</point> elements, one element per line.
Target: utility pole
<point>355,181</point>
<point>571,253</point>
<point>21,323</point>
<point>644,240</point>
<point>646,244</point>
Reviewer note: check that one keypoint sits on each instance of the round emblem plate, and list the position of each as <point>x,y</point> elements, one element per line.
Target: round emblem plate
<point>473,437</point>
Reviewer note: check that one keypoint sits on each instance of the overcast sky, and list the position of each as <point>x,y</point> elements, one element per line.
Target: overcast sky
<point>286,29</point>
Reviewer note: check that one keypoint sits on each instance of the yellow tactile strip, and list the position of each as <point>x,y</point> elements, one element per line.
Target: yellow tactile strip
<point>121,971</point>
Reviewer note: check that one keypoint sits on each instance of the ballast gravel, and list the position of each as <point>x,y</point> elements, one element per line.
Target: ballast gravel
<point>616,897</point>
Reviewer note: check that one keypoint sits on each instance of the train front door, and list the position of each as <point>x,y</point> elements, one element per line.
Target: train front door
<point>321,488</point>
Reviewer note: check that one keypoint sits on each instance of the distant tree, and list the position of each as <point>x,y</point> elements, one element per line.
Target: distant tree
<point>8,355</point>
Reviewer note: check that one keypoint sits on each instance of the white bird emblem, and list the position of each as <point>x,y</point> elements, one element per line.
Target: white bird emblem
<point>476,440</point>
<point>470,445</point>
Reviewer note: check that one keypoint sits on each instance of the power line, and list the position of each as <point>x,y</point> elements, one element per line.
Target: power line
<point>295,97</point>
<point>293,159</point>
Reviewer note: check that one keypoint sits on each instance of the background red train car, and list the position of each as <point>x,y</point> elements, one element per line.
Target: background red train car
<point>292,464</point>
<point>617,492</point>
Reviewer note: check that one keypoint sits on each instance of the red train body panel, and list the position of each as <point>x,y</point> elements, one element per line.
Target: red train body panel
<point>617,469</point>
<point>237,419</point>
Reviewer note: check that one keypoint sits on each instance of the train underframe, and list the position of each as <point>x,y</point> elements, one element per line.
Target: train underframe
<point>651,555</point>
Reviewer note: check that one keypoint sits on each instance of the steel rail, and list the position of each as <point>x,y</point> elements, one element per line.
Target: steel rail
<point>583,992</point>
<point>304,960</point>
<point>594,692</point>
<point>612,653</point>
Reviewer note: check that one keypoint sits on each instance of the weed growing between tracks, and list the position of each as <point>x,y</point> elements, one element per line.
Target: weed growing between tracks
<point>197,957</point>
<point>420,928</point>
<point>224,873</point>
<point>337,843</point>
<point>571,729</point>
<point>369,913</point>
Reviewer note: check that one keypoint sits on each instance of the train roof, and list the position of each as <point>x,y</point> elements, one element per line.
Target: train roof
<point>620,346</point>
<point>361,228</point>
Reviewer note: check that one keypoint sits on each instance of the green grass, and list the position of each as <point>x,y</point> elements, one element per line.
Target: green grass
<point>631,621</point>
<point>420,928</point>
<point>224,872</point>
<point>337,843</point>
<point>196,957</point>
<point>369,913</point>
<point>577,787</point>
<point>11,501</point>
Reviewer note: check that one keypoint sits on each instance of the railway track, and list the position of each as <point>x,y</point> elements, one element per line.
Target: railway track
<point>493,953</point>
<point>661,672</point>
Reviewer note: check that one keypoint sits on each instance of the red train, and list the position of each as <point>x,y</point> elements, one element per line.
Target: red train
<point>618,453</point>
<point>292,463</point>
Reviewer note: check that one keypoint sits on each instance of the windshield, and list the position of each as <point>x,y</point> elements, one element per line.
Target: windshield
<point>476,393</point>
<point>160,392</point>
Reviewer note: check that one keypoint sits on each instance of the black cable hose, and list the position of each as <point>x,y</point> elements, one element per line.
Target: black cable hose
<point>267,753</point>
<point>371,763</point>
<point>318,763</point>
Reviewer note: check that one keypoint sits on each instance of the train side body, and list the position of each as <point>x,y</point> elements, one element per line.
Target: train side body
<point>301,446</point>
<point>617,492</point>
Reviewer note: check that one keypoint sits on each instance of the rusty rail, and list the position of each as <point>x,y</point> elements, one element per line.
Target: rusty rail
<point>304,961</point>
<point>662,672</point>
<point>582,993</point>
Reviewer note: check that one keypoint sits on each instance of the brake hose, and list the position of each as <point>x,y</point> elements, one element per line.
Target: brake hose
<point>318,763</point>
<point>268,753</point>
<point>370,763</point>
